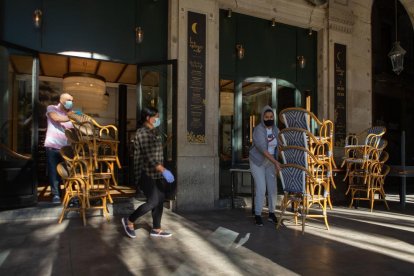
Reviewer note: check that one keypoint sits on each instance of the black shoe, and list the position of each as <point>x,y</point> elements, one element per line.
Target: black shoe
<point>160,233</point>
<point>258,220</point>
<point>130,232</point>
<point>272,218</point>
<point>74,202</point>
<point>56,199</point>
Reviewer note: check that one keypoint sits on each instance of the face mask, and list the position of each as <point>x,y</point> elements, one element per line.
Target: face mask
<point>157,122</point>
<point>269,123</point>
<point>68,105</point>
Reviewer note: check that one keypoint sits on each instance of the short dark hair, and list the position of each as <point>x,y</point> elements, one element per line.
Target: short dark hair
<point>147,111</point>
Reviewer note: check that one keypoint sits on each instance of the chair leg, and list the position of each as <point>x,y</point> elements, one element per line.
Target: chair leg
<point>383,198</point>
<point>65,203</point>
<point>325,215</point>
<point>83,210</point>
<point>372,198</point>
<point>295,210</point>
<point>352,198</point>
<point>108,190</point>
<point>65,197</point>
<point>282,211</point>
<point>111,167</point>
<point>62,214</point>
<point>347,191</point>
<point>329,197</point>
<point>105,208</point>
<point>304,212</point>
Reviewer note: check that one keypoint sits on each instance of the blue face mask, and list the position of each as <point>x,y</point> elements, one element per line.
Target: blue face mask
<point>157,122</point>
<point>68,105</point>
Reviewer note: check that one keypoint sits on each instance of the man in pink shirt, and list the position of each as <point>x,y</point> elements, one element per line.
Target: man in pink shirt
<point>57,122</point>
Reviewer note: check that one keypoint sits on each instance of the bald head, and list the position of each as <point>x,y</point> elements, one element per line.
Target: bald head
<point>66,101</point>
<point>65,97</point>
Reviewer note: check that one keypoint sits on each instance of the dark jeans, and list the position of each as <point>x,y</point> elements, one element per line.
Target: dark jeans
<point>154,190</point>
<point>53,159</point>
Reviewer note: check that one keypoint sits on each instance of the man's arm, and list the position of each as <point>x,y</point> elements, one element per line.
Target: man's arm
<point>58,118</point>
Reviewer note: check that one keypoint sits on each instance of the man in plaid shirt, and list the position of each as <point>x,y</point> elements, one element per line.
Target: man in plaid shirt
<point>150,172</point>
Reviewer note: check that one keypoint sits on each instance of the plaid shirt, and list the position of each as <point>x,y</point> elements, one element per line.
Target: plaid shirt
<point>148,153</point>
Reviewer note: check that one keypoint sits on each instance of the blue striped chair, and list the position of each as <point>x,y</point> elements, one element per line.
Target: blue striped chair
<point>302,190</point>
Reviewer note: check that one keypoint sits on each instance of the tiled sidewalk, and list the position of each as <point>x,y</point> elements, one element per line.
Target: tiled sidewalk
<point>222,242</point>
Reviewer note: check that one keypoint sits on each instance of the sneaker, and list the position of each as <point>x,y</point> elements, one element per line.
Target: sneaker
<point>272,218</point>
<point>56,199</point>
<point>258,220</point>
<point>74,202</point>
<point>130,232</point>
<point>160,233</point>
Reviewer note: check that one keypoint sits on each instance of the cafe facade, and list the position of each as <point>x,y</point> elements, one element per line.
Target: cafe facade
<point>209,66</point>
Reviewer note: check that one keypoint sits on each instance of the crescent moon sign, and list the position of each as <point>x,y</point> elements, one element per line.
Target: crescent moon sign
<point>338,56</point>
<point>194,28</point>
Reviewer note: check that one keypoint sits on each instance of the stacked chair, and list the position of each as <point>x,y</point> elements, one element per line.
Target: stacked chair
<point>101,141</point>
<point>95,184</point>
<point>302,118</point>
<point>75,188</point>
<point>91,160</point>
<point>306,174</point>
<point>364,160</point>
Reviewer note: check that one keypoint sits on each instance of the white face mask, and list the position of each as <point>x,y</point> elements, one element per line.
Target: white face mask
<point>157,122</point>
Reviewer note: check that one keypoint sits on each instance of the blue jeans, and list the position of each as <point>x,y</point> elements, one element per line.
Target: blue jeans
<point>53,159</point>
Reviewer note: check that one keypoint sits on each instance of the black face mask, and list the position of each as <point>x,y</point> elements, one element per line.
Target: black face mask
<point>269,123</point>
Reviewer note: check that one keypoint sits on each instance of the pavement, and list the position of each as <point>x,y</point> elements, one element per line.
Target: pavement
<point>218,242</point>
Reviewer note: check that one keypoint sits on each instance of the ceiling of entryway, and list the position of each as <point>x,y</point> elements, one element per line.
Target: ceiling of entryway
<point>58,65</point>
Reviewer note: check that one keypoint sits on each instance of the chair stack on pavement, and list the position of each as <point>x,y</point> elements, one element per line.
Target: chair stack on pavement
<point>364,160</point>
<point>306,174</point>
<point>95,183</point>
<point>91,159</point>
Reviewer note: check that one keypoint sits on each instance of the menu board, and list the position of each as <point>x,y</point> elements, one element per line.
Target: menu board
<point>340,94</point>
<point>196,78</point>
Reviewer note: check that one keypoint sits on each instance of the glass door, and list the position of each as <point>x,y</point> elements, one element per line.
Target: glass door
<point>241,103</point>
<point>157,87</point>
<point>18,127</point>
<point>252,94</point>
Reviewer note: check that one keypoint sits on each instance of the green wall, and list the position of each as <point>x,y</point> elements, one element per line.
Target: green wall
<point>102,26</point>
<point>269,51</point>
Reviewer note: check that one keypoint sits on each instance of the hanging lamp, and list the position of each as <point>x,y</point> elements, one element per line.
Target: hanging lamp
<point>397,52</point>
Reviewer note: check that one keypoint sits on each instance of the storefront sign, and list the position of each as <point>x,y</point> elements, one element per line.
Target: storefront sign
<point>196,78</point>
<point>340,94</point>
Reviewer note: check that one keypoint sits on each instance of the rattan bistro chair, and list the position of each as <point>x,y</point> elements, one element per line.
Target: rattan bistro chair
<point>296,117</point>
<point>364,184</point>
<point>101,141</point>
<point>319,152</point>
<point>97,180</point>
<point>302,190</point>
<point>75,188</point>
<point>359,156</point>
<point>375,185</point>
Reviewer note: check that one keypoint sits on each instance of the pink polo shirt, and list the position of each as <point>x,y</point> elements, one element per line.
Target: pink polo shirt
<point>55,134</point>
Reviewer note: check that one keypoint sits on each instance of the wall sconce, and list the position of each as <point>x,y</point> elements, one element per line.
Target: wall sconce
<point>229,12</point>
<point>240,51</point>
<point>273,22</point>
<point>139,35</point>
<point>301,62</point>
<point>37,18</point>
